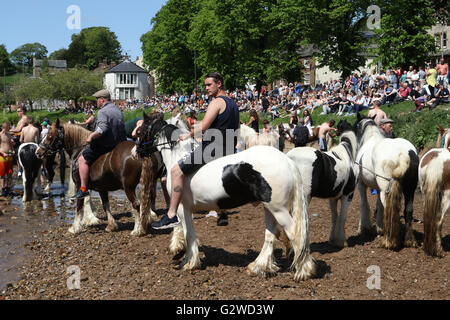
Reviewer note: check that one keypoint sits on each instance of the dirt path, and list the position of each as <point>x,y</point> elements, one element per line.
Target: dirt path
<point>117,266</point>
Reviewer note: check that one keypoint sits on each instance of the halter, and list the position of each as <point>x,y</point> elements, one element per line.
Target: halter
<point>146,149</point>
<point>54,147</point>
<point>444,139</point>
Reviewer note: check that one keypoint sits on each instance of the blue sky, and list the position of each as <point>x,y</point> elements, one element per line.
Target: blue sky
<point>45,21</point>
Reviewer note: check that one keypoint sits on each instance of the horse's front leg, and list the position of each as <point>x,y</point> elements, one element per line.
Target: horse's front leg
<point>380,215</point>
<point>177,241</point>
<point>89,217</point>
<point>364,220</point>
<point>334,215</point>
<point>112,224</point>
<point>410,239</point>
<point>192,259</point>
<point>340,239</point>
<point>77,225</point>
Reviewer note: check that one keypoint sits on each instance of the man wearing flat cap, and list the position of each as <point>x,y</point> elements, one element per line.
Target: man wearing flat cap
<point>386,128</point>
<point>108,133</point>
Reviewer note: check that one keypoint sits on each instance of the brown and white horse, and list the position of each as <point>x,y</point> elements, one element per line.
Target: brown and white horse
<point>113,171</point>
<point>434,180</point>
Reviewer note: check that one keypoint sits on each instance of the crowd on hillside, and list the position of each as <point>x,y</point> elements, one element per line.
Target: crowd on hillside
<point>427,87</point>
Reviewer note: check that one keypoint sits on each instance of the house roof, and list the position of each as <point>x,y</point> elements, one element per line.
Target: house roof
<point>60,64</point>
<point>126,67</point>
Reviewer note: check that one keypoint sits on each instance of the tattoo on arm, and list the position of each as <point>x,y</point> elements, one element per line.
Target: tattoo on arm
<point>177,189</point>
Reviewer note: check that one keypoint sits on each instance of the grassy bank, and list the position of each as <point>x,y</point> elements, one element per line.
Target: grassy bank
<point>419,128</point>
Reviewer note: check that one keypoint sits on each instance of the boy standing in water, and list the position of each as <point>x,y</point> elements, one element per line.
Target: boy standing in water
<point>6,159</point>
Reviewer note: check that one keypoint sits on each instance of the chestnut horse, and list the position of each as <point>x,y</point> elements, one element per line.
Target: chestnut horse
<point>116,170</point>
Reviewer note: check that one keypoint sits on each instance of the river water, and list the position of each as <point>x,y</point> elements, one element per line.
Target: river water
<point>21,223</point>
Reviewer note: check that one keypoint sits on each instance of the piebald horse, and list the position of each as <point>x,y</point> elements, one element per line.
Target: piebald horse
<point>330,175</point>
<point>113,171</point>
<point>259,174</point>
<point>31,166</point>
<point>390,166</point>
<point>434,181</point>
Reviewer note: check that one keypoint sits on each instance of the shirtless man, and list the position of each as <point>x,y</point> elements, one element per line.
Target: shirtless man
<point>376,112</point>
<point>6,159</point>
<point>23,122</point>
<point>30,134</point>
<point>442,71</point>
<point>325,128</point>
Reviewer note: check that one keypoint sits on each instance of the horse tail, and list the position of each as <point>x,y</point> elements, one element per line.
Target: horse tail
<point>303,262</point>
<point>433,191</point>
<point>394,200</point>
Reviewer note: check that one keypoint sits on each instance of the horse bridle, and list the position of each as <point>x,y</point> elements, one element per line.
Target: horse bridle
<point>147,148</point>
<point>56,146</point>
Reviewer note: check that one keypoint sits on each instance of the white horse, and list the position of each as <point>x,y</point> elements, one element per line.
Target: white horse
<point>330,175</point>
<point>434,181</point>
<point>390,166</point>
<point>260,174</point>
<point>249,138</point>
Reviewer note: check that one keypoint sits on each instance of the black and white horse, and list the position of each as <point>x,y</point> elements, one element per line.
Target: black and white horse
<point>31,166</point>
<point>259,174</point>
<point>330,175</point>
<point>390,166</point>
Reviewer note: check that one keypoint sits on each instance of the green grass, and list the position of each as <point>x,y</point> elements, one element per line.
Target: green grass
<point>419,128</point>
<point>10,80</point>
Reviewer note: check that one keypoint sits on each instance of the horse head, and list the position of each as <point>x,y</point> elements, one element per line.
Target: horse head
<point>53,142</point>
<point>149,133</point>
<point>361,124</point>
<point>344,126</point>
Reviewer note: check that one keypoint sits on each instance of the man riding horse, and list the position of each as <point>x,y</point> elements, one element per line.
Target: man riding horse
<point>109,132</point>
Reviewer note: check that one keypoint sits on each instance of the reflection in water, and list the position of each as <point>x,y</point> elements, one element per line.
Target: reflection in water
<point>20,221</point>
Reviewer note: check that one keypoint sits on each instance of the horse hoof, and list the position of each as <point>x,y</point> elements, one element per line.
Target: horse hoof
<point>112,228</point>
<point>390,245</point>
<point>137,233</point>
<point>338,244</point>
<point>411,243</point>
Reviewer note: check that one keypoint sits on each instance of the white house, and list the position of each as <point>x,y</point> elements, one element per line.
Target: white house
<point>127,80</point>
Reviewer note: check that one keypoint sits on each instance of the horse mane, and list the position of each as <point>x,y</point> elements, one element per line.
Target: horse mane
<point>75,136</point>
<point>369,130</point>
<point>177,111</point>
<point>347,138</point>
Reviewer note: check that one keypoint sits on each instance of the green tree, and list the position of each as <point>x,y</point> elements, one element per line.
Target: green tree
<point>91,46</point>
<point>404,41</point>
<point>73,84</point>
<point>60,54</point>
<point>32,90</point>
<point>23,56</point>
<point>5,62</point>
<point>166,49</point>
<point>336,28</point>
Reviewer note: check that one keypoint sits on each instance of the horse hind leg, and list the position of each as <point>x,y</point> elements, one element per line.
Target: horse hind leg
<point>410,239</point>
<point>380,215</point>
<point>112,224</point>
<point>265,262</point>
<point>365,225</point>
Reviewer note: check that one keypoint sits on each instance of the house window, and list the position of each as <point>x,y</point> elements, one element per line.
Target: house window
<point>126,78</point>
<point>306,63</point>
<point>307,78</point>
<point>437,40</point>
<point>444,40</point>
<point>126,93</point>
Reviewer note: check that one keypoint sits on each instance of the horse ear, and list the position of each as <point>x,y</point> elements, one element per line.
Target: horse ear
<point>373,118</point>
<point>358,116</point>
<point>144,116</point>
<point>57,123</point>
<point>441,130</point>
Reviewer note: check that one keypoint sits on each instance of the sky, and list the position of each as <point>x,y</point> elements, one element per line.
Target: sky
<point>46,21</point>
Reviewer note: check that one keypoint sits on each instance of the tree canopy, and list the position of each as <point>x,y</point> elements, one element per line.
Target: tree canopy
<point>24,54</point>
<point>5,62</point>
<point>91,46</point>
<point>261,41</point>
